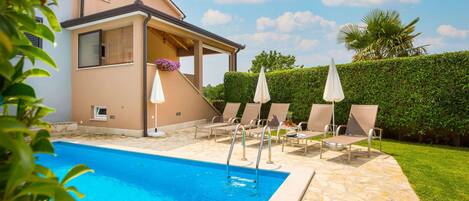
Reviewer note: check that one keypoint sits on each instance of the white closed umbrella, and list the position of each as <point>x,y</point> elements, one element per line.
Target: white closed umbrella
<point>262,90</point>
<point>333,91</point>
<point>262,96</point>
<point>157,97</point>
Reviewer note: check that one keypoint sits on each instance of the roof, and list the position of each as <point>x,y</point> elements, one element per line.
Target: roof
<point>139,7</point>
<point>177,8</point>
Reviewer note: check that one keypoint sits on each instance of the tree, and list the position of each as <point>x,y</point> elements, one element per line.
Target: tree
<point>22,132</point>
<point>213,93</point>
<point>383,35</point>
<point>271,61</point>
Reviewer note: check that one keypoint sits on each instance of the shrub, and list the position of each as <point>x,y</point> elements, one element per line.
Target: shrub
<point>417,96</point>
<point>214,92</point>
<point>219,105</point>
<point>23,133</point>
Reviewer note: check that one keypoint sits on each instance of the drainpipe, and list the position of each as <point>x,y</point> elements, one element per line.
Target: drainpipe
<point>82,7</point>
<point>236,58</point>
<point>145,107</point>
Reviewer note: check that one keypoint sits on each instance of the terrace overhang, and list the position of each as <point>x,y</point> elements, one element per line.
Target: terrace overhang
<point>143,10</point>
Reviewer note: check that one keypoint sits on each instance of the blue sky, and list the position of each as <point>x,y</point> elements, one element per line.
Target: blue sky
<point>308,28</point>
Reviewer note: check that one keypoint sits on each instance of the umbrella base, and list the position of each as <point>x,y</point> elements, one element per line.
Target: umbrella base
<point>335,146</point>
<point>156,134</point>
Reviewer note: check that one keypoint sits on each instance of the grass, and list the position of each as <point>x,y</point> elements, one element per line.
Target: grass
<point>435,172</point>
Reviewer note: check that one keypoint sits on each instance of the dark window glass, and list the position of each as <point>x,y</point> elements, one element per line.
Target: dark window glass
<point>102,111</point>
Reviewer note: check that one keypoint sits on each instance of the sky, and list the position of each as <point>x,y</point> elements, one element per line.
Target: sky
<point>308,29</point>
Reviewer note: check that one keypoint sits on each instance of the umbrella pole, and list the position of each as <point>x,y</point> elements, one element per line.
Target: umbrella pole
<point>333,119</point>
<point>156,117</point>
<point>259,116</point>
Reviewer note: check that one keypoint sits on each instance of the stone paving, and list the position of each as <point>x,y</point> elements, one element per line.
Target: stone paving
<point>376,178</point>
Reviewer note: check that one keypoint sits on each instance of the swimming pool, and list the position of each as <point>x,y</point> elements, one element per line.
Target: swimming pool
<point>128,176</point>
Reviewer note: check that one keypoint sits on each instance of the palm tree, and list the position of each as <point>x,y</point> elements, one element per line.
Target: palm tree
<point>382,36</point>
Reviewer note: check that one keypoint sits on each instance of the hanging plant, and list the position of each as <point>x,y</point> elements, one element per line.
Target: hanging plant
<point>167,65</point>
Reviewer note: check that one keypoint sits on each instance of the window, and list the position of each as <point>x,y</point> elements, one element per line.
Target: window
<point>105,47</point>
<point>89,49</point>
<point>36,41</point>
<point>99,113</point>
<point>118,44</point>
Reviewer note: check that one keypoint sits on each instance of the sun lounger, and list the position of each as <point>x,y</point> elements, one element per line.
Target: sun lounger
<point>318,124</point>
<point>276,119</point>
<point>248,120</point>
<point>360,126</point>
<point>228,118</point>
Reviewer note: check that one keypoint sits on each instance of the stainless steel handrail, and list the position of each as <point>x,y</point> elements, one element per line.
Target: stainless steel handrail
<point>233,140</point>
<point>261,146</point>
<point>259,152</point>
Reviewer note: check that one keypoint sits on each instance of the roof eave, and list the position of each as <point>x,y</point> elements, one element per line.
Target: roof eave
<point>142,9</point>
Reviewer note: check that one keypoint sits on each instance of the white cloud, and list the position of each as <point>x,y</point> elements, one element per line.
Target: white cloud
<point>215,17</point>
<point>451,31</point>
<point>290,21</point>
<point>263,37</point>
<point>307,44</point>
<point>264,23</point>
<point>365,2</point>
<point>239,1</point>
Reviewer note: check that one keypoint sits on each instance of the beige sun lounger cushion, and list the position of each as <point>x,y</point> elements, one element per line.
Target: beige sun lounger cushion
<point>251,112</point>
<point>361,120</point>
<point>360,125</point>
<point>278,113</point>
<point>319,117</point>
<point>230,112</point>
<point>346,139</point>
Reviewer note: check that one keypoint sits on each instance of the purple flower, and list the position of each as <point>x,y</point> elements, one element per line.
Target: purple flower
<point>167,65</point>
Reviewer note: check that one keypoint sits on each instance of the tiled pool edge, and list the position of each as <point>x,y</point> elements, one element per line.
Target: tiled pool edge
<point>292,189</point>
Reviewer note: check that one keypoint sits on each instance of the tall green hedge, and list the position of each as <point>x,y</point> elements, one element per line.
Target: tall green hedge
<point>425,95</point>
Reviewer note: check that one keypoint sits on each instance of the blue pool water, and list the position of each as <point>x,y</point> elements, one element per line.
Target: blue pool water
<point>129,176</point>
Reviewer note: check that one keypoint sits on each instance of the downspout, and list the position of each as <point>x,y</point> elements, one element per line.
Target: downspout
<point>145,107</point>
<point>236,59</point>
<point>82,7</point>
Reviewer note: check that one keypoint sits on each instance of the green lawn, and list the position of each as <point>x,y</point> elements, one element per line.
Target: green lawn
<point>435,172</point>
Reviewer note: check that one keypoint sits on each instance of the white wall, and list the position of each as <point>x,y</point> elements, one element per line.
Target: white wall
<point>56,90</point>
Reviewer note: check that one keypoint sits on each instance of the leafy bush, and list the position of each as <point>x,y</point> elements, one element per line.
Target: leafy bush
<point>219,105</point>
<point>272,61</point>
<point>22,132</point>
<point>214,92</point>
<point>417,96</point>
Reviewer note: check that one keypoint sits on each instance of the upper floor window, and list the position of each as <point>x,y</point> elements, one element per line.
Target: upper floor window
<point>105,47</point>
<point>36,41</point>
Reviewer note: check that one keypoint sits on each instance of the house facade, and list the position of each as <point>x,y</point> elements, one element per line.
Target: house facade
<point>111,50</point>
<point>56,90</point>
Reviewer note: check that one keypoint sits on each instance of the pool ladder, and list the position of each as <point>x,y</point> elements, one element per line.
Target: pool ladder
<point>259,152</point>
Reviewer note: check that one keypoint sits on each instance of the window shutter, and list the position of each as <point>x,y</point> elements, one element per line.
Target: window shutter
<point>36,41</point>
